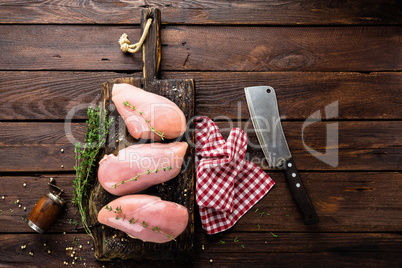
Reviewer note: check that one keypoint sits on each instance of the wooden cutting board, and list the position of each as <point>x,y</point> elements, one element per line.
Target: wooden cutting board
<point>110,243</point>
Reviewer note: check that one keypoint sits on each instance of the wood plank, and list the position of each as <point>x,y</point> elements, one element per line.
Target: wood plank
<point>363,145</point>
<point>205,12</point>
<point>376,249</point>
<point>316,259</point>
<point>198,48</point>
<point>260,242</point>
<point>48,95</point>
<point>344,201</point>
<point>301,94</point>
<point>37,146</point>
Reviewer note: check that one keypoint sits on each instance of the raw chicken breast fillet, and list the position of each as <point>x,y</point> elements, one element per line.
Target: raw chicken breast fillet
<point>141,166</point>
<point>145,217</point>
<point>163,115</point>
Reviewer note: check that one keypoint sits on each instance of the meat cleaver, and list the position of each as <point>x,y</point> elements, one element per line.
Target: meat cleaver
<point>263,107</point>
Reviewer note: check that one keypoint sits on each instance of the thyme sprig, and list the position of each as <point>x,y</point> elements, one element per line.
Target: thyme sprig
<point>122,216</point>
<point>274,235</point>
<point>86,155</point>
<point>147,172</point>
<point>160,134</point>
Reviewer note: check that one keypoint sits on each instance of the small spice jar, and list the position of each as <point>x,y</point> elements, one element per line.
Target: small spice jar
<point>47,211</point>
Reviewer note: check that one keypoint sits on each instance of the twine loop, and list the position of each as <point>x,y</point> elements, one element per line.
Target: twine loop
<point>125,44</point>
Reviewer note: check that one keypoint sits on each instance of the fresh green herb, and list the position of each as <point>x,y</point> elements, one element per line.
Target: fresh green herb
<point>118,210</point>
<point>262,214</point>
<point>287,215</point>
<point>132,221</point>
<point>160,134</point>
<point>274,235</point>
<point>256,210</point>
<point>75,240</point>
<point>168,236</point>
<point>236,239</point>
<point>11,210</point>
<point>259,227</point>
<point>222,242</point>
<point>86,155</point>
<point>71,222</point>
<point>121,215</point>
<point>1,212</point>
<point>140,174</point>
<point>242,245</point>
<point>104,241</point>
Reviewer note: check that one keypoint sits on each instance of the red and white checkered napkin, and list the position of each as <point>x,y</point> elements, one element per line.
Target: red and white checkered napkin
<point>227,185</point>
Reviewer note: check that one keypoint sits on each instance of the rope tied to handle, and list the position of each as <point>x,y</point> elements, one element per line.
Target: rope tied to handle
<point>125,44</point>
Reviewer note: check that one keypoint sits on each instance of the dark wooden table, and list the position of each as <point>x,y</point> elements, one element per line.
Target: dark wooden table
<point>336,61</point>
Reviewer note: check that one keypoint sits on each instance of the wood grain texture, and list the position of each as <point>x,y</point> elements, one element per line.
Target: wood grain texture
<point>37,146</point>
<point>358,146</point>
<point>198,48</point>
<point>344,201</point>
<point>260,250</point>
<point>53,95</point>
<point>260,12</point>
<point>50,95</point>
<point>55,55</point>
<point>363,145</point>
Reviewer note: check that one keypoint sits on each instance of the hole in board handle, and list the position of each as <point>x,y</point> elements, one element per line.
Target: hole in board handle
<point>268,90</point>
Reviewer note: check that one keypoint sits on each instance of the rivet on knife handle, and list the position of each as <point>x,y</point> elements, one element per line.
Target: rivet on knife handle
<point>299,193</point>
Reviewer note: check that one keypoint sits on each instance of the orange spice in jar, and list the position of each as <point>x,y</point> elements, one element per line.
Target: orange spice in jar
<point>47,211</point>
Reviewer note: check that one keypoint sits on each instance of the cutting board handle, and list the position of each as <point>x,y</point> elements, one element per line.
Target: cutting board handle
<point>151,49</point>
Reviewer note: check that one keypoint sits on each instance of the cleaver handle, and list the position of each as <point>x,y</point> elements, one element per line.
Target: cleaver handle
<point>299,193</point>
